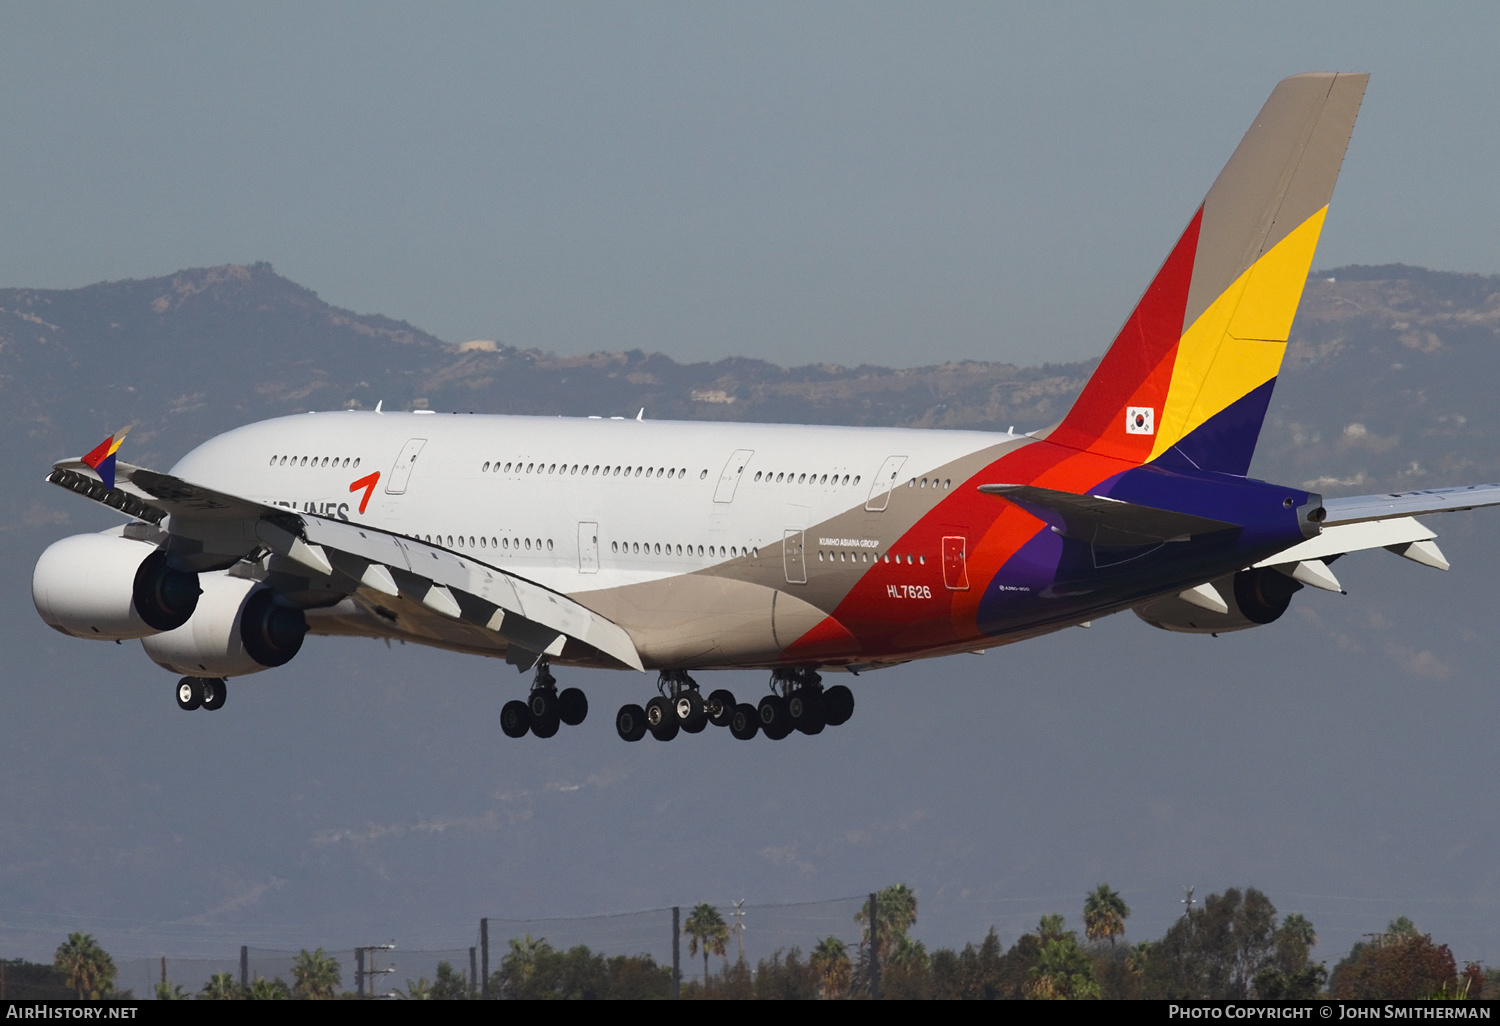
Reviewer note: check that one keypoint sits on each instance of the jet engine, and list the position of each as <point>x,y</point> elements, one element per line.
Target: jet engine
<point>1255,596</point>
<point>110,587</point>
<point>240,627</point>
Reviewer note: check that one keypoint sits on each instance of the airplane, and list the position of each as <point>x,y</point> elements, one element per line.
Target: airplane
<point>681,548</point>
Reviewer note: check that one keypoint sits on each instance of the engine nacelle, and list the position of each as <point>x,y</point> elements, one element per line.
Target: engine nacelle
<point>238,628</point>
<point>1255,596</point>
<point>109,587</point>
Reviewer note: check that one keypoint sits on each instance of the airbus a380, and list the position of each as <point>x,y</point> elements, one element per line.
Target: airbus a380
<point>679,548</point>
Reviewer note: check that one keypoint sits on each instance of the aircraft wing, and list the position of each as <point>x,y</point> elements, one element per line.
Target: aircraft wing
<point>531,620</point>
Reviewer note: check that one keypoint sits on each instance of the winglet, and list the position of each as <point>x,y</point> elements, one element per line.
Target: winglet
<point>102,458</point>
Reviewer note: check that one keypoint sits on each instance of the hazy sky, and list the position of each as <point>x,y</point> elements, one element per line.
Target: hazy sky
<point>894,184</point>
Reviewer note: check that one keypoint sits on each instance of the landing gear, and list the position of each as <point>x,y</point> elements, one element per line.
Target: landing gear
<point>189,693</point>
<point>215,693</point>
<point>630,722</point>
<point>720,708</point>
<point>802,704</point>
<point>515,719</point>
<point>201,693</point>
<point>661,718</point>
<point>745,723</point>
<point>797,702</point>
<point>680,707</point>
<point>545,709</point>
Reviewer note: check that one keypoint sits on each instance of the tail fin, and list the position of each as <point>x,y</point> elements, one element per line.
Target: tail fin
<point>1189,377</point>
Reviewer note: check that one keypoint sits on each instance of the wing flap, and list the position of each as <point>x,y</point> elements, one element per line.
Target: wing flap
<point>528,616</point>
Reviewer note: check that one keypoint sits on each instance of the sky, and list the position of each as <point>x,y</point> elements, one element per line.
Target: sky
<point>850,183</point>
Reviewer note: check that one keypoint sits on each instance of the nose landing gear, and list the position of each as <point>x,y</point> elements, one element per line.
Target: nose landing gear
<point>201,693</point>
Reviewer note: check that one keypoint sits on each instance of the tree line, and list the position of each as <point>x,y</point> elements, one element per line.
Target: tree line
<point>1234,946</point>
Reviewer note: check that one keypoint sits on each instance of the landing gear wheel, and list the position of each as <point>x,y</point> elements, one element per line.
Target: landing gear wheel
<point>515,719</point>
<point>838,705</point>
<point>805,711</point>
<point>720,707</point>
<point>630,722</point>
<point>543,706</point>
<point>745,723</point>
<point>572,706</point>
<point>661,718</point>
<point>775,723</point>
<point>688,706</point>
<point>189,693</point>
<point>215,692</point>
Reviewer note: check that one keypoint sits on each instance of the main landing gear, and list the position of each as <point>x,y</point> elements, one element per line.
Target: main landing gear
<point>802,704</point>
<point>545,709</point>
<point>680,707</point>
<point>201,693</point>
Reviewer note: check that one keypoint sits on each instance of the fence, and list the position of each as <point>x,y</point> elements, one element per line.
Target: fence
<point>755,932</point>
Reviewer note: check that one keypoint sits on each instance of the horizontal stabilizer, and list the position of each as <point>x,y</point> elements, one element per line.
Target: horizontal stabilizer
<point>1100,520</point>
<point>1339,539</point>
<point>1357,508</point>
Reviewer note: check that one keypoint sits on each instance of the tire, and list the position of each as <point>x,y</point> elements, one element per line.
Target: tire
<point>838,705</point>
<point>630,723</point>
<point>661,719</point>
<point>572,706</point>
<point>515,719</point>
<point>720,707</point>
<point>804,709</point>
<point>744,724</point>
<point>189,693</point>
<point>690,712</point>
<point>543,705</point>
<point>774,721</point>
<point>215,693</point>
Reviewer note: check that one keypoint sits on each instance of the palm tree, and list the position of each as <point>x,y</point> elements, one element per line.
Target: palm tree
<point>1301,927</point>
<point>85,966</point>
<point>706,928</point>
<point>419,991</point>
<point>1050,927</point>
<point>1062,971</point>
<point>1104,914</point>
<point>519,965</point>
<point>898,911</point>
<point>315,975</point>
<point>220,987</point>
<point>262,989</point>
<point>830,960</point>
<point>170,992</point>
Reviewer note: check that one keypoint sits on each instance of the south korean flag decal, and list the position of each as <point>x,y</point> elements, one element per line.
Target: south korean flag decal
<point>1140,420</point>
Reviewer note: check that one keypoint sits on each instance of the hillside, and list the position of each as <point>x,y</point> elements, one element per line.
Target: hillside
<point>1385,384</point>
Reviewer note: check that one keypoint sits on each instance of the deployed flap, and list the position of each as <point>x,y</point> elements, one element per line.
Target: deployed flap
<point>149,495</point>
<point>520,611</point>
<point>484,595</point>
<point>1356,508</point>
<point>1101,520</point>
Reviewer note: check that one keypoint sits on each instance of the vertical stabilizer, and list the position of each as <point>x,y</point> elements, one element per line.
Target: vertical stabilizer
<point>1189,377</point>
